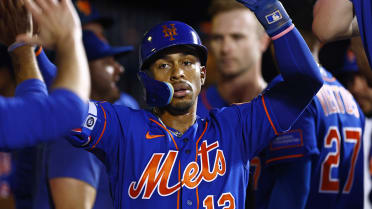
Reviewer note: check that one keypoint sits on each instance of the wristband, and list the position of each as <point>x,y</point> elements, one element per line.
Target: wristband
<point>15,45</point>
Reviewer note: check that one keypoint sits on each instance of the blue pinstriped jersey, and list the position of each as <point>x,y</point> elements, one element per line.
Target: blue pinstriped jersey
<point>330,131</point>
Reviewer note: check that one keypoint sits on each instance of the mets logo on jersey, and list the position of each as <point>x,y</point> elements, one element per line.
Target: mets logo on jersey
<point>273,17</point>
<point>170,31</point>
<point>156,175</point>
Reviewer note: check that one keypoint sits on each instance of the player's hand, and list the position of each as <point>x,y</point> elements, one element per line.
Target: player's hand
<point>57,21</point>
<point>14,20</point>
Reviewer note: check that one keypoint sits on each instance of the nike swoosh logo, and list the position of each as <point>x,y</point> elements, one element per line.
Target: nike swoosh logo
<point>148,136</point>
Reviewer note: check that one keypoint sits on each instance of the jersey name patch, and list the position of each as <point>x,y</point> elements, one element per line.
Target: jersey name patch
<point>287,140</point>
<point>156,175</point>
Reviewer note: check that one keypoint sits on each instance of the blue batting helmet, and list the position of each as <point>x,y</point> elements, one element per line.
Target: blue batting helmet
<point>169,34</point>
<point>160,37</point>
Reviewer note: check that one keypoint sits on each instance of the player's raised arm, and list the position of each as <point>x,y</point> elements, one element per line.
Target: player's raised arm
<point>334,19</point>
<point>301,75</point>
<point>73,71</point>
<point>33,116</point>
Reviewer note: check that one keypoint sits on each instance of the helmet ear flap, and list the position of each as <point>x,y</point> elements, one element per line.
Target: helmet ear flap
<point>158,93</point>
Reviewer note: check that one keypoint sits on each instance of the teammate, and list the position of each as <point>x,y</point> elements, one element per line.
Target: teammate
<point>91,19</point>
<point>61,166</point>
<point>237,43</point>
<point>171,157</point>
<point>334,19</point>
<point>33,116</point>
<point>319,162</point>
<point>355,81</point>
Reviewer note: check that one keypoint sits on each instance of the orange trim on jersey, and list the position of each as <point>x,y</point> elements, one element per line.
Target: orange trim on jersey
<point>103,130</point>
<point>289,146</point>
<point>179,161</point>
<point>268,116</point>
<point>77,130</point>
<point>196,160</point>
<point>165,128</point>
<point>283,158</point>
<point>38,52</point>
<point>205,100</point>
<point>370,166</point>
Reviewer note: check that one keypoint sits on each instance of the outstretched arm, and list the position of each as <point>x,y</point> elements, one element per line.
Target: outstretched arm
<point>73,71</point>
<point>334,19</point>
<point>302,79</point>
<point>32,116</point>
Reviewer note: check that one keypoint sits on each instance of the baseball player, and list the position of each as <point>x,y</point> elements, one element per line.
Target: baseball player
<point>354,80</point>
<point>62,166</point>
<point>32,116</point>
<point>237,43</point>
<point>319,162</point>
<point>335,19</point>
<point>169,156</point>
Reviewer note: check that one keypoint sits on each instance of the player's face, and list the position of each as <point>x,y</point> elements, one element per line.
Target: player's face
<point>235,41</point>
<point>184,72</point>
<point>105,73</point>
<point>361,91</point>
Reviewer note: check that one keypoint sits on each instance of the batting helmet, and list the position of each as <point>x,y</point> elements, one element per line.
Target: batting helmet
<point>160,37</point>
<point>169,34</point>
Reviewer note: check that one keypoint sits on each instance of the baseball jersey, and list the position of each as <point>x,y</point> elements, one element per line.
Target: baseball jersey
<point>150,164</point>
<point>208,99</point>
<point>32,116</point>
<point>363,12</point>
<point>59,159</point>
<point>329,132</point>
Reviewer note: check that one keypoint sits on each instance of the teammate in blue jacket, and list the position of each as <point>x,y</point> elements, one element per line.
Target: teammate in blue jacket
<point>169,156</point>
<point>338,19</point>
<point>32,116</point>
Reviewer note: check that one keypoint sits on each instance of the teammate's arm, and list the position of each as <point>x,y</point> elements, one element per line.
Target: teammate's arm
<point>32,116</point>
<point>334,19</point>
<point>292,185</point>
<point>71,60</point>
<point>73,174</point>
<point>70,193</point>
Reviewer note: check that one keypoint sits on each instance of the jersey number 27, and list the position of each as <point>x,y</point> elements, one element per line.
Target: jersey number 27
<point>330,164</point>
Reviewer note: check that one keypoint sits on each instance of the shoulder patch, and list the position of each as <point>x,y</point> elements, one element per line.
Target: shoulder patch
<point>91,119</point>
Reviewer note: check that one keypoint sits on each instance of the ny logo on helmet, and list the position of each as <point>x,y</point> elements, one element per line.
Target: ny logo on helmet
<point>170,32</point>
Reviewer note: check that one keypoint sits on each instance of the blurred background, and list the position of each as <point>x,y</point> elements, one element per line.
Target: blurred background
<point>132,19</point>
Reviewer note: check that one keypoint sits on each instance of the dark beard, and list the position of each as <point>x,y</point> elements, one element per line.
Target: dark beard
<point>179,109</point>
